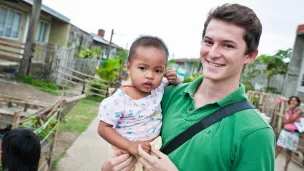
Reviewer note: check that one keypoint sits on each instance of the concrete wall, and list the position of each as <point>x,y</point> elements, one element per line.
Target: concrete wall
<point>294,68</point>
<point>59,32</point>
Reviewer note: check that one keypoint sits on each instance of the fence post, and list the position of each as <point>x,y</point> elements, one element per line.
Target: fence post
<point>16,120</point>
<point>83,87</point>
<point>282,110</point>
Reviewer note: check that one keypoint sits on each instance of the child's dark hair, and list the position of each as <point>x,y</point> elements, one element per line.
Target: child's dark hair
<point>297,98</point>
<point>20,150</point>
<point>147,41</point>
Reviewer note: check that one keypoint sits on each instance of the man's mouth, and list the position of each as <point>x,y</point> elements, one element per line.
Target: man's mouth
<point>215,64</point>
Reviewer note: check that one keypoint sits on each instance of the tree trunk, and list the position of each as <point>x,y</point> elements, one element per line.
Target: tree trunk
<point>30,39</point>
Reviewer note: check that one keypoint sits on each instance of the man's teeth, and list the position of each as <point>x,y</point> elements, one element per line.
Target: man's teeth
<point>216,65</point>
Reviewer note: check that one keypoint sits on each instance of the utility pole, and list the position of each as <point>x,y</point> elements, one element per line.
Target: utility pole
<point>30,39</point>
<point>109,48</point>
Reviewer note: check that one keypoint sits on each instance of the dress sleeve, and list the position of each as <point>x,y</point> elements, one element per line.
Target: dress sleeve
<point>164,83</point>
<point>110,110</point>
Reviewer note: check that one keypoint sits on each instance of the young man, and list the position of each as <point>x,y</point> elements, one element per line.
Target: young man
<point>240,142</point>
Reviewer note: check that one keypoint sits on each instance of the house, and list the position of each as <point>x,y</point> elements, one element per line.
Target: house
<point>103,44</point>
<point>294,82</point>
<point>79,38</point>
<point>186,67</point>
<point>14,24</point>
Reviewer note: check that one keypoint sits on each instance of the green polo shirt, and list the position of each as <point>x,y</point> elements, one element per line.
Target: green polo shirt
<point>240,142</point>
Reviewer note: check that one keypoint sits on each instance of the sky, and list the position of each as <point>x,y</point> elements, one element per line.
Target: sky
<point>178,22</point>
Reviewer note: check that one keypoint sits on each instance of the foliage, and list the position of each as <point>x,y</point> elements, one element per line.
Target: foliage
<point>98,84</point>
<point>111,69</point>
<point>81,115</point>
<point>192,78</point>
<point>171,61</point>
<point>284,53</point>
<point>44,85</point>
<point>89,53</point>
<point>272,90</point>
<point>69,44</point>
<point>274,65</point>
<point>121,54</point>
<point>36,123</point>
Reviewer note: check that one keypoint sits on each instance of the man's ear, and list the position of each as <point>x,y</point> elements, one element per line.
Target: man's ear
<point>128,67</point>
<point>250,57</point>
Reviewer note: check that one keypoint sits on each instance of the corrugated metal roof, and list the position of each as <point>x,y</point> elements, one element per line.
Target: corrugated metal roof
<point>103,41</point>
<point>50,11</point>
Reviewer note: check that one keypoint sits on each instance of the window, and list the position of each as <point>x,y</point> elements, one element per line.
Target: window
<point>42,31</point>
<point>9,23</point>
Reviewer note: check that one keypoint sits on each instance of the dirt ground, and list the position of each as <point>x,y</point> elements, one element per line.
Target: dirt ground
<point>64,141</point>
<point>25,92</point>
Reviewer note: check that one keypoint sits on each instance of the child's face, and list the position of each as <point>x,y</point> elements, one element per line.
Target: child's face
<point>293,102</point>
<point>147,68</point>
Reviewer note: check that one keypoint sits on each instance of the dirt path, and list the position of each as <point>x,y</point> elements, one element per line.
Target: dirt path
<point>25,92</point>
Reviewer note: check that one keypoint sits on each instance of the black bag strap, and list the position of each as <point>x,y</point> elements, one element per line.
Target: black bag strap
<point>205,123</point>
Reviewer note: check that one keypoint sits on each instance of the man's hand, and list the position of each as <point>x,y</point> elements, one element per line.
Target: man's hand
<point>133,147</point>
<point>159,163</point>
<point>119,162</point>
<point>172,77</point>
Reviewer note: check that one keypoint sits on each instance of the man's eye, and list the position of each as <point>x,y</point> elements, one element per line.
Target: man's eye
<point>159,71</point>
<point>228,46</point>
<point>208,42</point>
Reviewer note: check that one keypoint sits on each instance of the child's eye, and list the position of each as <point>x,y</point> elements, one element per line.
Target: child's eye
<point>159,71</point>
<point>142,68</point>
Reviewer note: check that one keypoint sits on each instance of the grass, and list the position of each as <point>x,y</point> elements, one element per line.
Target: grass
<point>78,120</point>
<point>81,115</point>
<point>44,85</point>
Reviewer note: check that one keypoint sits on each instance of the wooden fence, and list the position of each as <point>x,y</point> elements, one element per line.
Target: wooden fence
<point>76,83</point>
<point>274,106</point>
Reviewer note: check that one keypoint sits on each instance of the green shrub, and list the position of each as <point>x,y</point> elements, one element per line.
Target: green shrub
<point>98,84</point>
<point>44,85</point>
<point>110,71</point>
<point>192,78</point>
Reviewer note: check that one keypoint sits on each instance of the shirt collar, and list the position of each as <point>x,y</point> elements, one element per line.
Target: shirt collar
<point>236,96</point>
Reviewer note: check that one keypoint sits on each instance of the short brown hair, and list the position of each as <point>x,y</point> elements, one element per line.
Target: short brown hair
<point>148,41</point>
<point>241,16</point>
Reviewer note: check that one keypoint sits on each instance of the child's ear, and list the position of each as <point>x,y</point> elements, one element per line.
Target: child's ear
<point>128,67</point>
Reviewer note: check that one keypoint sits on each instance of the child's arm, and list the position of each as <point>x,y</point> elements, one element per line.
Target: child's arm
<point>172,77</point>
<point>107,132</point>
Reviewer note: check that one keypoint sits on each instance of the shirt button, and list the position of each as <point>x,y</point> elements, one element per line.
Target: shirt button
<point>190,109</point>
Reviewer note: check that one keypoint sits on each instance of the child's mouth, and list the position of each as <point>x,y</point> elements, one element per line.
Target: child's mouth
<point>148,85</point>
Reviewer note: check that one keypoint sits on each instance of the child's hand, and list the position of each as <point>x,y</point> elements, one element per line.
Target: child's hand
<point>172,77</point>
<point>133,147</point>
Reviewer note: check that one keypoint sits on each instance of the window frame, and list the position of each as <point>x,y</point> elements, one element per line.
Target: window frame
<point>46,33</point>
<point>19,29</point>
